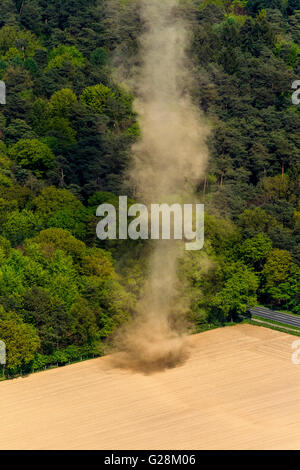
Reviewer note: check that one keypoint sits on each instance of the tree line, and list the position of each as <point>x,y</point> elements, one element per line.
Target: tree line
<point>65,143</point>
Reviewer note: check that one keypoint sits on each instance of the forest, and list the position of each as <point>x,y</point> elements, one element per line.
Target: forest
<point>66,133</point>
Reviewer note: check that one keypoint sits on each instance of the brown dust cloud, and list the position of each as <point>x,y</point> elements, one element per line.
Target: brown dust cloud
<point>168,160</point>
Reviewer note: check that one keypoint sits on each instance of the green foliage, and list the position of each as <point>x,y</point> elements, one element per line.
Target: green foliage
<point>254,221</point>
<point>62,54</point>
<point>254,251</point>
<point>99,57</point>
<point>33,155</point>
<point>278,187</point>
<point>57,238</point>
<point>20,225</point>
<point>14,42</point>
<point>289,52</point>
<point>281,280</point>
<point>21,340</point>
<point>18,129</point>
<point>40,115</point>
<point>53,201</point>
<point>32,66</point>
<point>84,326</point>
<point>277,267</point>
<point>98,97</point>
<point>67,131</point>
<point>239,291</point>
<point>47,313</point>
<point>60,135</point>
<point>62,102</point>
<point>221,233</point>
<point>69,293</point>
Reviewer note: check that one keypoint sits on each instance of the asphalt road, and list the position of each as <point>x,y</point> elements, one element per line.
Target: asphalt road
<point>280,317</point>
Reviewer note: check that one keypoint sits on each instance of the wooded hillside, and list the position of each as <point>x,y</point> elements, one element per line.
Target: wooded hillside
<point>66,135</point>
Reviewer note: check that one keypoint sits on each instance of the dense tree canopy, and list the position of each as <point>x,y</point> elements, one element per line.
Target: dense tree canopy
<point>65,144</point>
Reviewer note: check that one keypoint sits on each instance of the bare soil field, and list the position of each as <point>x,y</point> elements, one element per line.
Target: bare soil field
<point>238,390</point>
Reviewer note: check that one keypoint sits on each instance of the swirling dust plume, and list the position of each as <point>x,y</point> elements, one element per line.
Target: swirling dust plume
<point>169,160</point>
